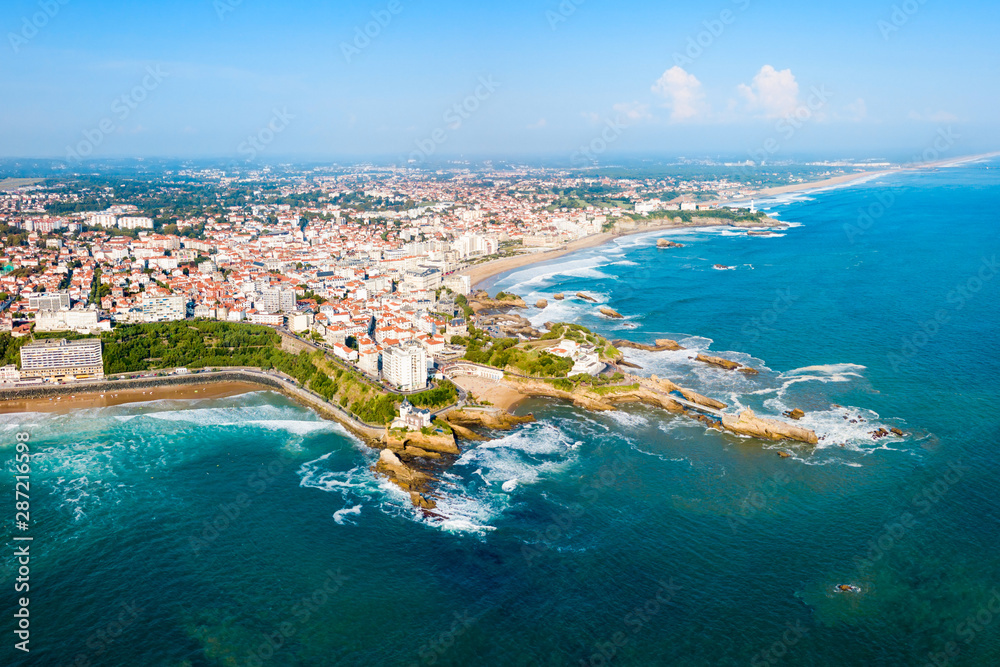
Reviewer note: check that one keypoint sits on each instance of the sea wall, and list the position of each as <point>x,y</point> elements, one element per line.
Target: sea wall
<point>285,386</point>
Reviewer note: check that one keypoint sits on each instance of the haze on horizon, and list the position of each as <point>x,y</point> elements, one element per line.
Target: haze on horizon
<point>246,80</point>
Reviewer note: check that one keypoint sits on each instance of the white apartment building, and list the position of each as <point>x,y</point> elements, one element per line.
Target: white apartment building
<point>164,308</point>
<point>276,300</point>
<point>405,365</point>
<point>472,245</point>
<point>135,222</point>
<point>62,360</point>
<point>48,300</point>
<point>81,320</point>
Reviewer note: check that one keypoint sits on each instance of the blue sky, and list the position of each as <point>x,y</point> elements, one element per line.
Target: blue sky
<point>210,77</point>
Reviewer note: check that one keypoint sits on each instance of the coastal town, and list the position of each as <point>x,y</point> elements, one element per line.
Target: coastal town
<point>325,288</point>
<point>374,264</point>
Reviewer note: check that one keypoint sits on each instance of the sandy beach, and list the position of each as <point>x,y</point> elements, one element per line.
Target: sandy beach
<point>481,272</point>
<point>500,395</point>
<point>85,399</point>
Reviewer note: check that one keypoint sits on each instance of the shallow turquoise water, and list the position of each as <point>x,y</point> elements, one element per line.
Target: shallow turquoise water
<point>247,531</point>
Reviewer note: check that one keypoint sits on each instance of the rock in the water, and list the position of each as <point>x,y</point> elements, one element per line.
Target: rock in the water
<point>422,501</point>
<point>666,243</point>
<point>795,414</point>
<point>662,345</point>
<point>559,297</point>
<point>784,455</point>
<point>718,361</point>
<point>613,314</point>
<point>748,423</point>
<point>581,295</point>
<point>541,303</point>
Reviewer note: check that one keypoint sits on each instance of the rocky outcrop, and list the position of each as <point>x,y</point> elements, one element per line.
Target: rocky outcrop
<point>497,420</point>
<point>465,433</point>
<point>481,301</point>
<point>748,423</point>
<point>559,297</point>
<point>399,473</point>
<point>896,432</point>
<point>585,297</point>
<point>662,345</point>
<point>726,364</point>
<point>541,303</point>
<point>422,501</point>
<point>511,324</point>
<point>405,442</point>
<point>666,243</point>
<point>718,361</point>
<point>795,414</point>
<point>613,314</point>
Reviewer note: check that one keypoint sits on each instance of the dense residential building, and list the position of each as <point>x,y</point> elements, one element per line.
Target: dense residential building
<point>164,308</point>
<point>49,300</point>
<point>62,360</point>
<point>405,365</point>
<point>277,300</point>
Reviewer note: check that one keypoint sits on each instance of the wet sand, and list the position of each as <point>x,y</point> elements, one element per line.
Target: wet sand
<point>85,399</point>
<point>481,272</point>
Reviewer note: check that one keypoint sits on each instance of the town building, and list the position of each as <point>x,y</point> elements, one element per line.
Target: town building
<point>62,360</point>
<point>405,365</point>
<point>164,308</point>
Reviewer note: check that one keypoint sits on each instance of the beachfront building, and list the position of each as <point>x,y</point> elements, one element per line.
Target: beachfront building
<point>9,374</point>
<point>405,365</point>
<point>412,418</point>
<point>586,360</point>
<point>62,360</point>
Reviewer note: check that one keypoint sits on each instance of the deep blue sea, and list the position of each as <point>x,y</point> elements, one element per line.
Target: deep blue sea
<point>247,531</point>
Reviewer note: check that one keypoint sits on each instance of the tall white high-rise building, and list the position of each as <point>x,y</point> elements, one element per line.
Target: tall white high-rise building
<point>405,365</point>
<point>277,300</point>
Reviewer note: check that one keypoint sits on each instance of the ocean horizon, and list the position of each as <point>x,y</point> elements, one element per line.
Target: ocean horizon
<point>249,531</point>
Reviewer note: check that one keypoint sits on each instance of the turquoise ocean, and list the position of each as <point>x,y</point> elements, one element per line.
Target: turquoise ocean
<point>248,531</point>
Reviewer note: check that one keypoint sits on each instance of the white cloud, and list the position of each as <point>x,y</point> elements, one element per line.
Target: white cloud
<point>633,112</point>
<point>772,93</point>
<point>682,94</point>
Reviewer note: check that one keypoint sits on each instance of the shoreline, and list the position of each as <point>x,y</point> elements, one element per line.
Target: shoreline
<point>484,272</point>
<point>216,384</point>
<point>95,398</point>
